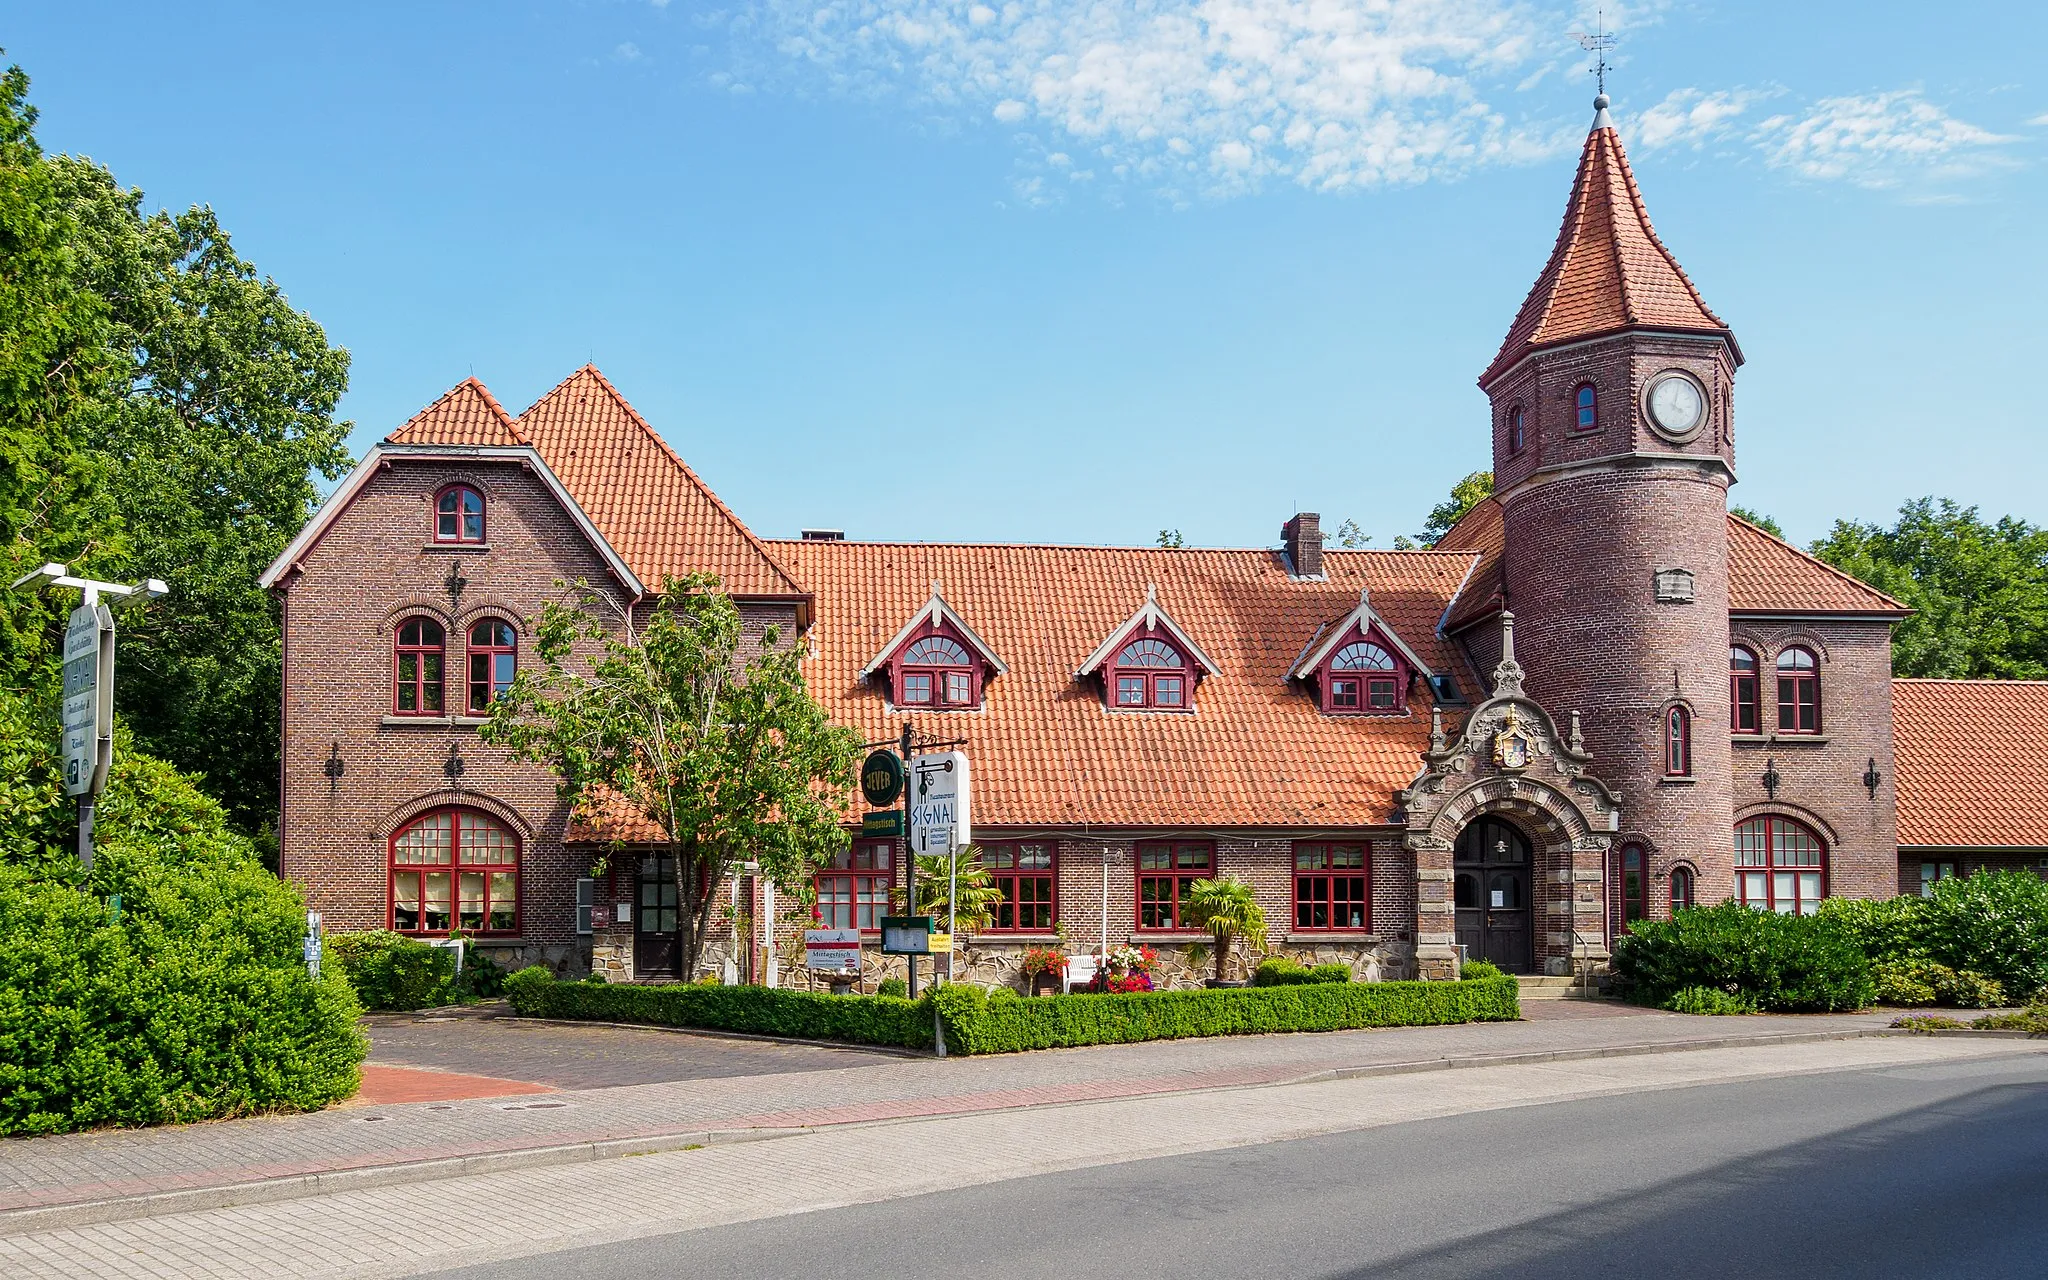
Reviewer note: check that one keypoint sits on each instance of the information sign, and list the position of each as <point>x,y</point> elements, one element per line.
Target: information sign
<point>906,935</point>
<point>832,950</point>
<point>88,724</point>
<point>881,778</point>
<point>889,822</point>
<point>939,803</point>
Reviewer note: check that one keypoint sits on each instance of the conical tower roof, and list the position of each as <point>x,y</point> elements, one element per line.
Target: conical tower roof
<point>1609,271</point>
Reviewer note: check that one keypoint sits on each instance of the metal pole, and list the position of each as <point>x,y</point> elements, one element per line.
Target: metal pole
<point>909,856</point>
<point>85,804</point>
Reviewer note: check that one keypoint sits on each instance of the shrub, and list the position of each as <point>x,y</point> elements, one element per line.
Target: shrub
<point>391,971</point>
<point>2033,1021</point>
<point>1279,971</point>
<point>1994,923</point>
<point>1925,1022</point>
<point>1331,972</point>
<point>1888,930</point>
<point>896,987</point>
<point>1707,1001</point>
<point>804,1015</point>
<point>194,1003</point>
<point>976,1023</point>
<point>1922,982</point>
<point>1903,983</point>
<point>1782,963</point>
<point>1473,970</point>
<point>483,978</point>
<point>1967,990</point>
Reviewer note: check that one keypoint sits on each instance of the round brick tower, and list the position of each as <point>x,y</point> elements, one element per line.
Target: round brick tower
<point>1612,459</point>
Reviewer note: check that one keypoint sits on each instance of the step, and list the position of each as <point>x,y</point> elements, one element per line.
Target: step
<point>1536,986</point>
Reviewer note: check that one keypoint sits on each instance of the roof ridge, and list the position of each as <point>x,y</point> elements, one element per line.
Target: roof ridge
<point>1091,546</point>
<point>1808,556</point>
<point>471,383</point>
<point>1984,680</point>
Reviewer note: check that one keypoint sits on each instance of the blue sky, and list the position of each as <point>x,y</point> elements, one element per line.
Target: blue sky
<point>1077,272</point>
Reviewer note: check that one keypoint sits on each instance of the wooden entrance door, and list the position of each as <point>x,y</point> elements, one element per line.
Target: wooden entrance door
<point>1492,869</point>
<point>655,921</point>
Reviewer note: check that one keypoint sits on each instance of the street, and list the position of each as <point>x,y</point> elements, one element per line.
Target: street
<point>1928,1170</point>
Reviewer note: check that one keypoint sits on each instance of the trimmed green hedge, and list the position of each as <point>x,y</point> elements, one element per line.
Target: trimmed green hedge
<point>391,971</point>
<point>1283,971</point>
<point>978,1021</point>
<point>1780,963</point>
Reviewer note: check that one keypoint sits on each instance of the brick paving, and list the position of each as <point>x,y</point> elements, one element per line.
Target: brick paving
<point>377,1231</point>
<point>109,1165</point>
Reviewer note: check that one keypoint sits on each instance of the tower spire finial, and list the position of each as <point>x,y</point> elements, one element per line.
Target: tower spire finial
<point>1597,44</point>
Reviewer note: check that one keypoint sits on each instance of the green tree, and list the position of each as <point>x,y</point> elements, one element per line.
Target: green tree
<point>1227,909</point>
<point>1465,495</point>
<point>729,755</point>
<point>1760,520</point>
<point>214,412</point>
<point>1978,590</point>
<point>1171,539</point>
<point>1350,537</point>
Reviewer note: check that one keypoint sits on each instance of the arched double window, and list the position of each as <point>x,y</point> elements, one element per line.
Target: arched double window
<point>1677,742</point>
<point>493,661</point>
<point>1149,672</point>
<point>455,869</point>
<point>1587,404</point>
<point>936,671</point>
<point>1743,715</point>
<point>1363,677</point>
<point>459,514</point>
<point>418,650</point>
<point>1780,865</point>
<point>1798,691</point>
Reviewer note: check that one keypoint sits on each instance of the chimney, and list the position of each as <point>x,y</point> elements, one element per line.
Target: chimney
<point>1303,537</point>
<point>824,535</point>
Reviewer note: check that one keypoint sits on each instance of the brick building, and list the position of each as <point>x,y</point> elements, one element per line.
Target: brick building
<point>1599,697</point>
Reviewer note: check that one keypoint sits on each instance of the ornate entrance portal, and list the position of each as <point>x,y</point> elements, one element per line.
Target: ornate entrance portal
<point>1491,893</point>
<point>1510,837</point>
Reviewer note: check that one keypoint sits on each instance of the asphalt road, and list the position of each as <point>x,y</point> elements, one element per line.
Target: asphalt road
<point>1915,1171</point>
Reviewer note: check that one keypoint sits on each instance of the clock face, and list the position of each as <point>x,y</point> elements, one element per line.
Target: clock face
<point>1676,406</point>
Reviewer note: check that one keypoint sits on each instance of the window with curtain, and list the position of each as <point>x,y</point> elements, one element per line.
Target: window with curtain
<point>455,869</point>
<point>1780,865</point>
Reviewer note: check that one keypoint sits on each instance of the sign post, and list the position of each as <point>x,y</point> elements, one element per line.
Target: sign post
<point>313,938</point>
<point>86,740</point>
<point>941,822</point>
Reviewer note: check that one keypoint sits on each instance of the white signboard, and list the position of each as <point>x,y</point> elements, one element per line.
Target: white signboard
<point>940,820</point>
<point>88,733</point>
<point>832,950</point>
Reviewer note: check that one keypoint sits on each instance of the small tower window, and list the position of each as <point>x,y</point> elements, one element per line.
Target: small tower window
<point>459,515</point>
<point>1681,889</point>
<point>1515,434</point>
<point>1798,692</point>
<point>1678,743</point>
<point>1588,407</point>
<point>1634,885</point>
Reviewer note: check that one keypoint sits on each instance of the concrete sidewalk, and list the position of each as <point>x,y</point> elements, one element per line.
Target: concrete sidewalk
<point>113,1175</point>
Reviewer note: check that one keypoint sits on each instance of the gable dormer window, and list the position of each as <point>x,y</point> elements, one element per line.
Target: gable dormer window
<point>937,671</point>
<point>1364,678</point>
<point>1151,673</point>
<point>1358,666</point>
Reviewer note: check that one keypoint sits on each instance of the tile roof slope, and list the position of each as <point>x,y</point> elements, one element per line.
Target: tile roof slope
<point>642,497</point>
<point>1765,574</point>
<point>1255,752</point>
<point>1608,271</point>
<point>468,414</point>
<point>1971,762</point>
<point>607,816</point>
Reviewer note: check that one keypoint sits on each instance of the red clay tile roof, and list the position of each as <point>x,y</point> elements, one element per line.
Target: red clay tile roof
<point>1255,752</point>
<point>1765,575</point>
<point>609,816</point>
<point>1971,762</point>
<point>468,414</point>
<point>1609,271</point>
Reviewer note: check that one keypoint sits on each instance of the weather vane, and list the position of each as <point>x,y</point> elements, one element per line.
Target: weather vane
<point>1597,44</point>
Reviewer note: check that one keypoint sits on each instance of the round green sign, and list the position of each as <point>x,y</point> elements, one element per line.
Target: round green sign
<point>881,778</point>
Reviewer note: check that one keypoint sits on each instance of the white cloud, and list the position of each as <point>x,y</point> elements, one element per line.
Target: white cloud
<point>2040,121</point>
<point>1881,140</point>
<point>1693,116</point>
<point>627,52</point>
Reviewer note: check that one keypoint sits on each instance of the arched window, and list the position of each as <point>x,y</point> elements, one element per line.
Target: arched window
<point>459,514</point>
<point>1780,865</point>
<point>1363,677</point>
<point>1515,433</point>
<point>418,649</point>
<point>455,869</point>
<point>1633,876</point>
<point>493,660</point>
<point>1681,889</point>
<point>1588,405</point>
<point>1678,743</point>
<point>1149,672</point>
<point>1743,716</point>
<point>1798,692</point>
<point>936,671</point>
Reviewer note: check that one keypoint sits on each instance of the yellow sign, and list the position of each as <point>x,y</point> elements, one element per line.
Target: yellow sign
<point>941,943</point>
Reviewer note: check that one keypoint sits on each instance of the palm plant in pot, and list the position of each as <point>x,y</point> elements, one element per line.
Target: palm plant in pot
<point>1229,911</point>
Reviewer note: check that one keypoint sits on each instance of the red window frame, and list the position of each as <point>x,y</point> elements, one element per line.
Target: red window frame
<point>1332,886</point>
<point>1146,687</point>
<point>1781,864</point>
<point>493,661</point>
<point>1798,691</point>
<point>1586,406</point>
<point>1682,893</point>
<point>413,657</point>
<point>1632,875</point>
<point>459,514</point>
<point>943,686</point>
<point>1745,715</point>
<point>853,892</point>
<point>1027,873</point>
<point>474,856</point>
<point>1677,742</point>
<point>1517,433</point>
<point>1160,889</point>
<point>1365,691</point>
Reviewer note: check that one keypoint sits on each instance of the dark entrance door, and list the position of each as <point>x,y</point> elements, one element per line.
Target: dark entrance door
<point>655,953</point>
<point>1491,892</point>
